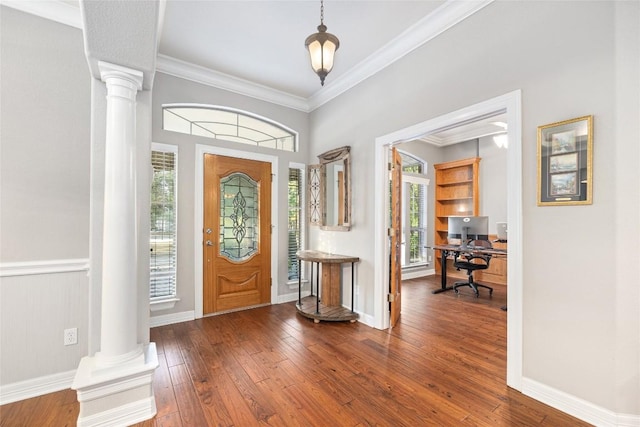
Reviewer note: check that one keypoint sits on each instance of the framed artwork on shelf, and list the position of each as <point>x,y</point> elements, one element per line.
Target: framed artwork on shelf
<point>565,152</point>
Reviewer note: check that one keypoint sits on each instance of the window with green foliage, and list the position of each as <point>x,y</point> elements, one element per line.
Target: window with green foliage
<point>414,220</point>
<point>415,229</point>
<point>296,219</point>
<point>163,222</point>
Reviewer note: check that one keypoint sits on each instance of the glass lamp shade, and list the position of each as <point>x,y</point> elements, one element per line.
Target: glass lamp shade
<point>322,47</point>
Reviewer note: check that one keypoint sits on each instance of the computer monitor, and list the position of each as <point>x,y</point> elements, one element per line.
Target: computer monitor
<point>468,228</point>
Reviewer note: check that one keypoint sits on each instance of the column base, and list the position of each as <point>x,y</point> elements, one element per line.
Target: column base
<point>119,395</point>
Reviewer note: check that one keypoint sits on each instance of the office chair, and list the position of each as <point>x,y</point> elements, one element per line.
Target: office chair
<point>471,262</point>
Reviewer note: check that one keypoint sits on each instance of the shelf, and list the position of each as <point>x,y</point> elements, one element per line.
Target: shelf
<point>456,187</point>
<point>452,183</point>
<point>455,198</point>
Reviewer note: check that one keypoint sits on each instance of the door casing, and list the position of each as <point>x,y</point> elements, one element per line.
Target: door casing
<point>201,150</point>
<point>511,104</point>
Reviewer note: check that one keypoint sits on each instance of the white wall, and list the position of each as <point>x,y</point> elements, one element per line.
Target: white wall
<point>44,190</point>
<point>571,295</point>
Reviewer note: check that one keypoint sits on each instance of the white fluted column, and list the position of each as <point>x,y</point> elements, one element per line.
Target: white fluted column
<point>118,343</point>
<point>114,386</point>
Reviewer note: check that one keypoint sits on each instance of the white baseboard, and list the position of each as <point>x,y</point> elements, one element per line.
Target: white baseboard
<point>291,297</point>
<point>366,319</point>
<point>125,415</point>
<point>36,387</point>
<point>415,274</point>
<point>169,319</point>
<point>577,407</point>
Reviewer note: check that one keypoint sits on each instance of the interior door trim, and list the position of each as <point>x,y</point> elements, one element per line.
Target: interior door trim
<point>198,219</point>
<point>511,104</point>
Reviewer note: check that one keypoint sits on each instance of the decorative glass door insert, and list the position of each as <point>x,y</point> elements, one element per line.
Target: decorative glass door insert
<point>239,213</point>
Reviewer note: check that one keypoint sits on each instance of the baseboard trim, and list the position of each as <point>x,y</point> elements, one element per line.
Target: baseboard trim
<point>36,387</point>
<point>577,407</point>
<point>29,268</point>
<point>415,274</point>
<point>128,414</point>
<point>293,296</point>
<point>169,319</point>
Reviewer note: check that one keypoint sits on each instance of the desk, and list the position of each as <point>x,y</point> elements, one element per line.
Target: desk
<point>445,250</point>
<point>328,307</point>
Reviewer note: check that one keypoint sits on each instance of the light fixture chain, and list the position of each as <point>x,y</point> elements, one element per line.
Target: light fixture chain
<point>321,12</point>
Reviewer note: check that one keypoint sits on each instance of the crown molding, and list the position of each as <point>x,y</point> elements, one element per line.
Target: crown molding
<point>444,17</point>
<point>474,133</point>
<point>53,10</point>
<point>198,74</point>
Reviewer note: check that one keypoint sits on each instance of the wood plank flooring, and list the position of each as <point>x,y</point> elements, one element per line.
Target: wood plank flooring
<point>443,365</point>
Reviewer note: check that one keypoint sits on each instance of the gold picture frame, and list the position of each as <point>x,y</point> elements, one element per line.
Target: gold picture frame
<point>565,157</point>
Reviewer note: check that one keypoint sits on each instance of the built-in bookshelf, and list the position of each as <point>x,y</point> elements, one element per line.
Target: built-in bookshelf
<point>456,193</point>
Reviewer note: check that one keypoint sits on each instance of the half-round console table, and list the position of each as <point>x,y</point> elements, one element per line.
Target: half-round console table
<point>328,306</point>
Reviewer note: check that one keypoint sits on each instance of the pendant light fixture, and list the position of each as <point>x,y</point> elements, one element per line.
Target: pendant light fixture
<point>322,47</point>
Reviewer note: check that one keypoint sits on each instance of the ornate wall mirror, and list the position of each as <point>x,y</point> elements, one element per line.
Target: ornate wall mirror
<point>330,190</point>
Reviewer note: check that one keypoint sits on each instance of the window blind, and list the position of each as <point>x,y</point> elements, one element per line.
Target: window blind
<point>163,225</point>
<point>295,227</point>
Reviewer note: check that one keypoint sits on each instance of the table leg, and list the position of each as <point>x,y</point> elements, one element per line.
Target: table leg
<point>317,288</point>
<point>352,287</point>
<point>443,274</point>
<point>299,283</point>
<point>311,279</point>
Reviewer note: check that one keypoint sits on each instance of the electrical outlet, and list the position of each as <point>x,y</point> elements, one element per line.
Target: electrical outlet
<point>429,258</point>
<point>71,336</point>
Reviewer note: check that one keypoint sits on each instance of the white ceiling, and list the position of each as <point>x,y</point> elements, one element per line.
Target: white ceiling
<point>263,41</point>
<point>257,47</point>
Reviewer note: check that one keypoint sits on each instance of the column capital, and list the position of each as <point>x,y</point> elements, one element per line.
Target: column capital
<point>110,71</point>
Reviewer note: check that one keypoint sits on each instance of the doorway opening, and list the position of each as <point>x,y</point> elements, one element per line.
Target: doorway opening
<point>509,105</point>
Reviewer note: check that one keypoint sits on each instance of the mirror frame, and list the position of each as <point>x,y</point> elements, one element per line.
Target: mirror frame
<point>343,154</point>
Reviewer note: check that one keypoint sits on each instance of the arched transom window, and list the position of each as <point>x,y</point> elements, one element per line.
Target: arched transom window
<point>228,124</point>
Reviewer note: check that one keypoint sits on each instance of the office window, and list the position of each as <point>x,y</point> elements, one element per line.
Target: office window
<point>230,125</point>
<point>163,222</point>
<point>296,219</point>
<point>414,224</point>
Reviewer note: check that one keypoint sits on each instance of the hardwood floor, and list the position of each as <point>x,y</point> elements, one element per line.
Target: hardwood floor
<point>443,365</point>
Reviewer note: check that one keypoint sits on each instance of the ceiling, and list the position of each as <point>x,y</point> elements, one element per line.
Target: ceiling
<point>263,41</point>
<point>256,47</point>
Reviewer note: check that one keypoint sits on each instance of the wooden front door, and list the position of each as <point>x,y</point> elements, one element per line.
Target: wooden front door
<point>395,238</point>
<point>237,233</point>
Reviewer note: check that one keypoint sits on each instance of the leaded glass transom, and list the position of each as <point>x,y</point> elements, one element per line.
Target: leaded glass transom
<point>239,222</point>
<point>230,125</point>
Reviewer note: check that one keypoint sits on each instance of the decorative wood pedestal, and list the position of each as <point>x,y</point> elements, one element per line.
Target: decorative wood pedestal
<point>327,307</point>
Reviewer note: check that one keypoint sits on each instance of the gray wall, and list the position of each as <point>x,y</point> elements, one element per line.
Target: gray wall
<point>167,90</point>
<point>44,188</point>
<point>572,297</point>
<point>45,140</point>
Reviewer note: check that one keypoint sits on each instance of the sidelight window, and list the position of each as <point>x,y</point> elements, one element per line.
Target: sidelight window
<point>163,222</point>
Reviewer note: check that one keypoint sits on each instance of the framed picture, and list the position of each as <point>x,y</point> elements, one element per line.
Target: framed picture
<point>564,162</point>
